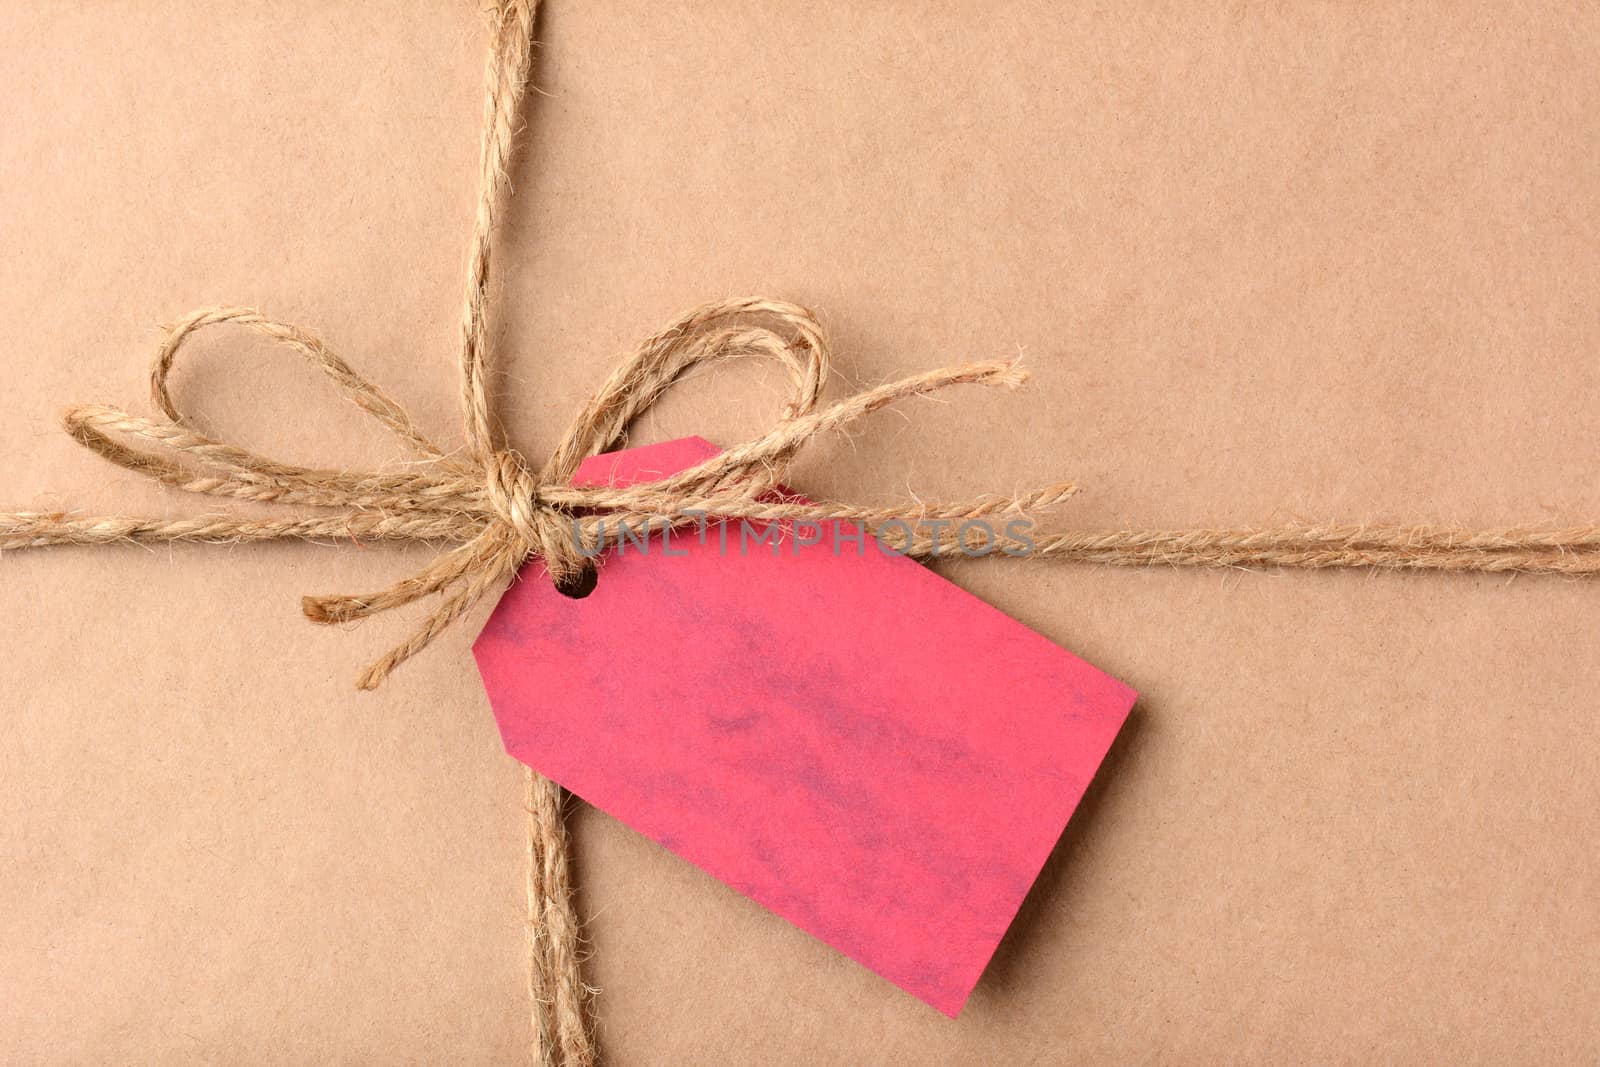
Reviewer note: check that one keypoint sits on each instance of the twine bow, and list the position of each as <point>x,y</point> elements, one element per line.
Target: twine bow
<point>497,512</point>
<point>488,503</point>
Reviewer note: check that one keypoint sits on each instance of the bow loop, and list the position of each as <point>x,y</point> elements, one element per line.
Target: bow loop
<point>365,395</point>
<point>728,329</point>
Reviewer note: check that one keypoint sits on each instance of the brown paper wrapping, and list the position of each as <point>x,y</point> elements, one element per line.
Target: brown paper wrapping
<point>1265,263</point>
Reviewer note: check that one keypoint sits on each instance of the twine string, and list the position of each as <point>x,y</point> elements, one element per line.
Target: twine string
<point>495,513</point>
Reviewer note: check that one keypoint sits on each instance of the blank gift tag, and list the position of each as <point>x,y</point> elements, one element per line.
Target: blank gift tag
<point>833,730</point>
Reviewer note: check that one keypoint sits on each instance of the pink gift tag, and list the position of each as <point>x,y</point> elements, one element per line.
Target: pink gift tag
<point>843,736</point>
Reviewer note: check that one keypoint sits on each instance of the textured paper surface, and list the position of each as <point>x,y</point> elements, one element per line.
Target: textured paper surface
<point>830,729</point>
<point>1263,261</point>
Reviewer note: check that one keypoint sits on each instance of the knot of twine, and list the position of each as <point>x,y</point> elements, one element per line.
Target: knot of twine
<point>497,512</point>
<point>532,519</point>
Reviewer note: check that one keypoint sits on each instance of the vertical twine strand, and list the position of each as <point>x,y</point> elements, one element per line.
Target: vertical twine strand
<point>560,1033</point>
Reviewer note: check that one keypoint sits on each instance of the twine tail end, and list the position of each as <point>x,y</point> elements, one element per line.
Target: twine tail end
<point>1011,374</point>
<point>318,609</point>
<point>374,675</point>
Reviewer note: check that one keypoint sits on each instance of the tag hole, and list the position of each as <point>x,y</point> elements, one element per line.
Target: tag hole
<point>577,586</point>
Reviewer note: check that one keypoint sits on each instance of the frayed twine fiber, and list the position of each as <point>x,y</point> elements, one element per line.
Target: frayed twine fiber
<point>497,512</point>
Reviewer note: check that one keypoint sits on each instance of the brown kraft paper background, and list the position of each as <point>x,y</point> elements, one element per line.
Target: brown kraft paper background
<point>1266,262</point>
